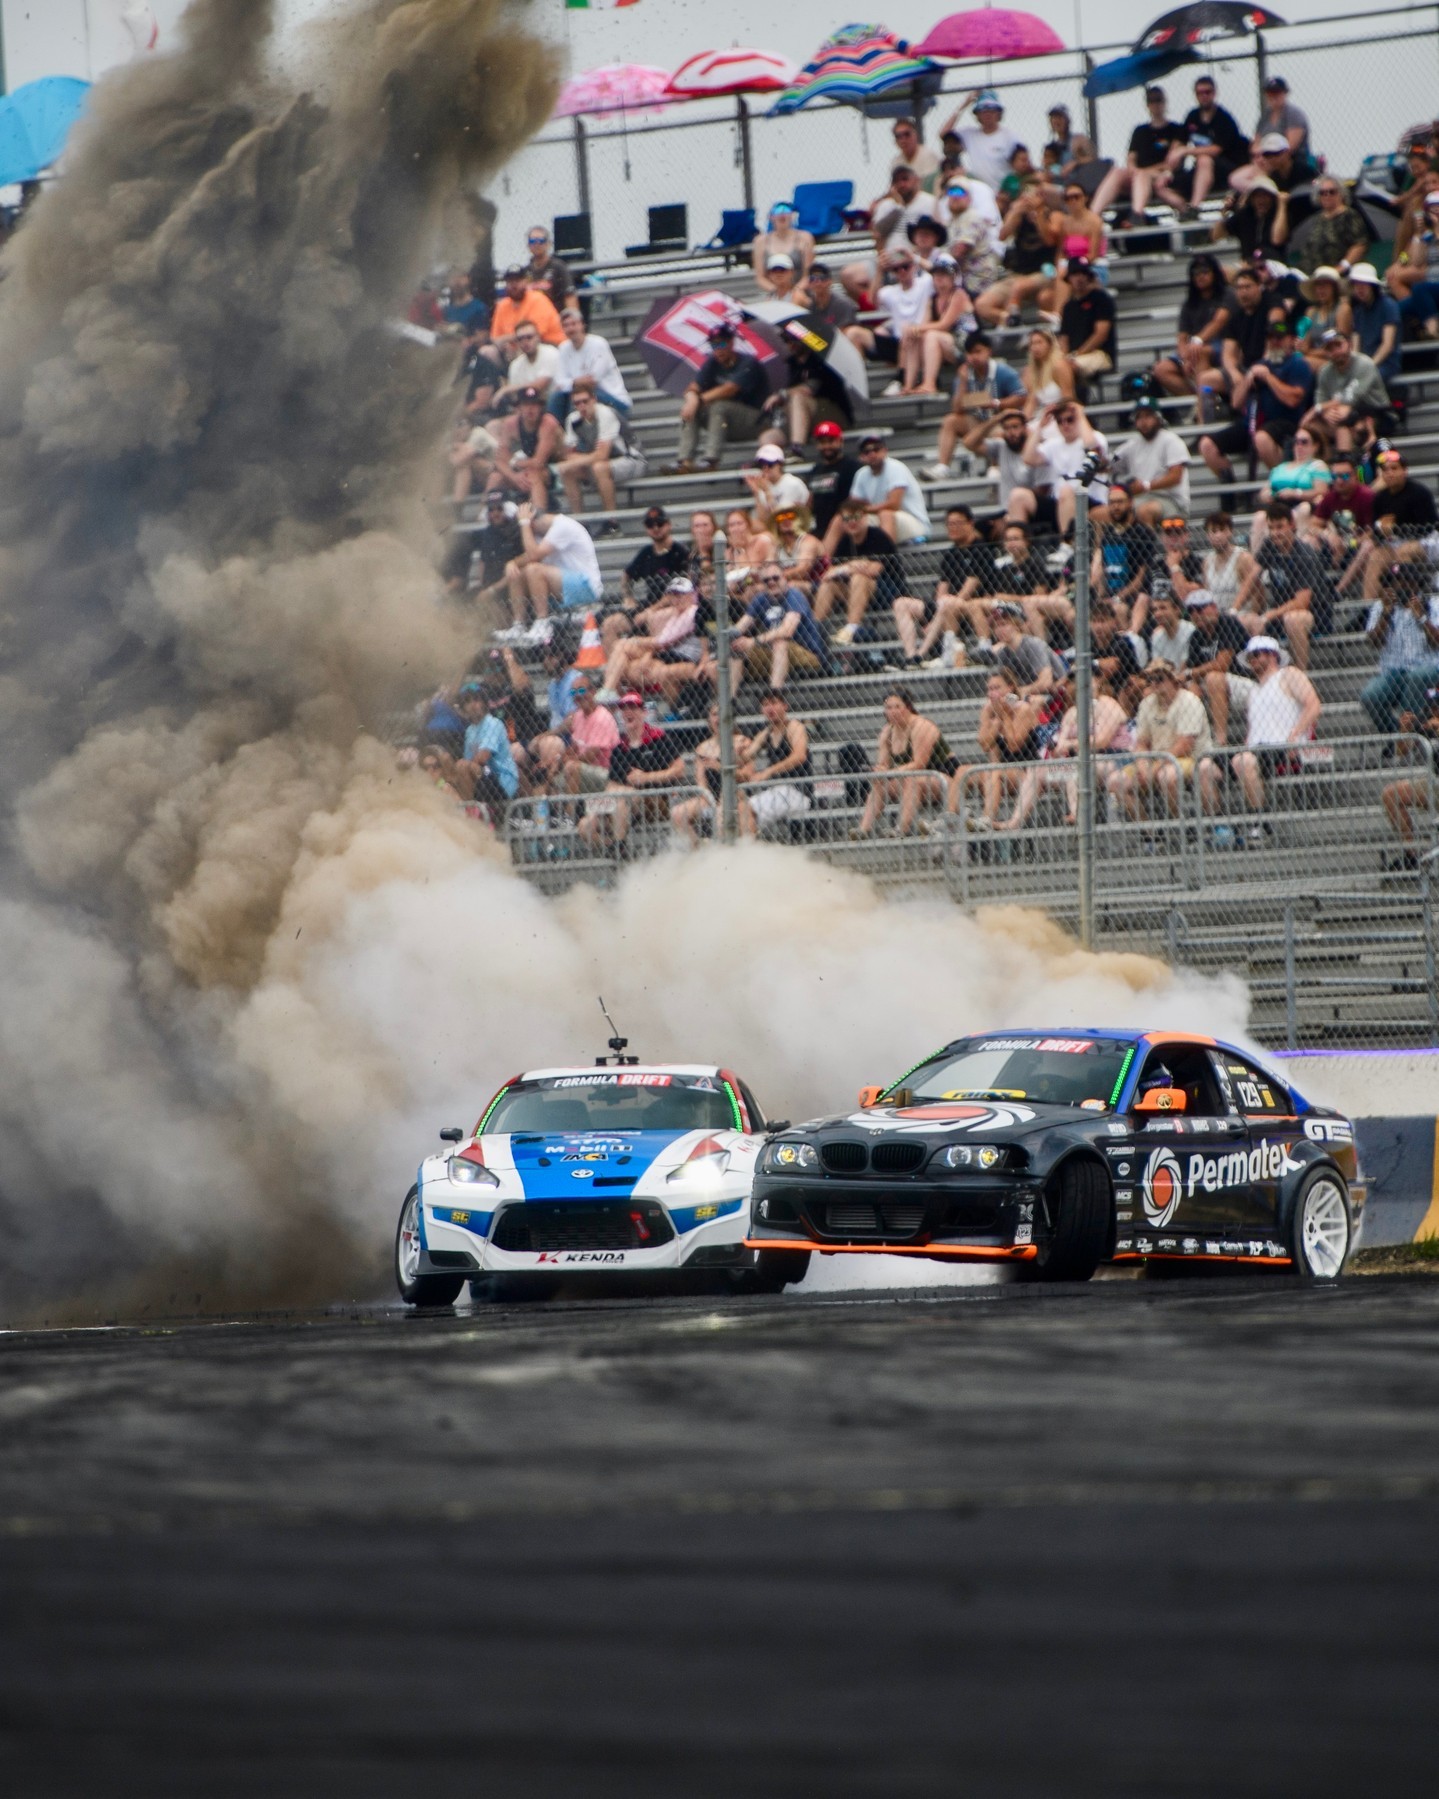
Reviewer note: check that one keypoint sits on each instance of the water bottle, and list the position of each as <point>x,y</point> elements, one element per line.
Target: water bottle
<point>542,829</point>
<point>950,649</point>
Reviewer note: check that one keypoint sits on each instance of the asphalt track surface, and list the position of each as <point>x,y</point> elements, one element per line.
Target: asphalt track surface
<point>1139,1538</point>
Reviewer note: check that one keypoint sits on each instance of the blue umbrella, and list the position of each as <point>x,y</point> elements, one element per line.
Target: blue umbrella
<point>1137,70</point>
<point>34,123</point>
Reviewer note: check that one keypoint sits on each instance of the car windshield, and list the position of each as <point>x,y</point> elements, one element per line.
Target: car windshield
<point>615,1099</point>
<point>1061,1071</point>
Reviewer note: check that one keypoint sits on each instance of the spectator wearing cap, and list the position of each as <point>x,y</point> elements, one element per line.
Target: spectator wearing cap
<point>931,343</point>
<point>771,486</point>
<point>1403,626</point>
<point>584,353</point>
<point>1026,490</point>
<point>983,387</point>
<point>528,443</point>
<point>521,302</point>
<point>545,271</point>
<point>1088,333</point>
<point>588,740</point>
<point>1278,165</point>
<point>967,583</point>
<point>826,300</point>
<point>778,632</point>
<point>1283,711</point>
<point>890,218</point>
<point>889,492</point>
<point>782,277</point>
<point>1156,462</point>
<point>666,637</point>
<point>782,237</point>
<point>1147,167</point>
<point>830,477</point>
<point>912,766</point>
<point>1211,662</point>
<point>644,757</point>
<point>650,570</point>
<point>903,300</point>
<point>798,552</point>
<point>1338,237</point>
<point>1282,118</point>
<point>973,229</point>
<point>1059,147</point>
<point>558,563</point>
<point>911,151</point>
<point>988,143</point>
<point>1405,521</point>
<point>1413,275</point>
<point>861,556</point>
<point>814,390</point>
<point>1028,259</point>
<point>1289,591</point>
<point>1413,793</point>
<point>1259,223</point>
<point>497,543</point>
<point>1214,147</point>
<point>1171,721</point>
<point>1326,310</point>
<point>1376,320</point>
<point>1128,560</point>
<point>486,770</point>
<point>1349,390</point>
<point>597,449</point>
<point>1022,653</point>
<point>726,399</point>
<point>1269,398</point>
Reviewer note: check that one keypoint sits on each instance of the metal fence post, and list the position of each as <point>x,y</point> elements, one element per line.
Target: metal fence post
<point>582,168</point>
<point>1084,706</point>
<point>1291,1000</point>
<point>724,699</point>
<point>1261,66</point>
<point>1091,107</point>
<point>746,150</point>
<point>1431,959</point>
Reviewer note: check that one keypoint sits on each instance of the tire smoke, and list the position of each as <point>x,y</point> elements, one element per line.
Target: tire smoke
<point>250,968</point>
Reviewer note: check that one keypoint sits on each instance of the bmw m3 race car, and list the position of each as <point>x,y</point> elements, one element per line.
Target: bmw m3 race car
<point>614,1169</point>
<point>1058,1150</point>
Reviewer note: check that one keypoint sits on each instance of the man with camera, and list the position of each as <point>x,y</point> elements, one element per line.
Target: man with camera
<point>1404,627</point>
<point>1413,793</point>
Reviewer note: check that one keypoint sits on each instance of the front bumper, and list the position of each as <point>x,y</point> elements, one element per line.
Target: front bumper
<point>982,1217</point>
<point>521,1236</point>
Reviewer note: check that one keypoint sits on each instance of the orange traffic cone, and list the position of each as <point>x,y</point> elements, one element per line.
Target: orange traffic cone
<point>592,651</point>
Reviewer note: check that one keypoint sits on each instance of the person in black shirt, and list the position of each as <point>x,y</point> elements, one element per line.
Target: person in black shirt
<point>966,581</point>
<point>1259,222</point>
<point>832,476</point>
<point>1146,169</point>
<point>497,544</point>
<point>1127,559</point>
<point>1405,519</point>
<point>1209,662</point>
<point>1291,590</point>
<point>1087,333</point>
<point>726,398</point>
<point>863,559</point>
<point>644,757</point>
<point>1215,142</point>
<point>1115,656</point>
<point>650,570</point>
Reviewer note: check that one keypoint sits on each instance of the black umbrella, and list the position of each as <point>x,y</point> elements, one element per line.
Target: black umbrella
<point>1189,26</point>
<point>674,339</point>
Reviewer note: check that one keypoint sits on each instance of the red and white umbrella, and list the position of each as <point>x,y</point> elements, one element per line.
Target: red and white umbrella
<point>716,72</point>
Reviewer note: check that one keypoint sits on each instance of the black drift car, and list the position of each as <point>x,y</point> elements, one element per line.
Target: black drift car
<point>1059,1150</point>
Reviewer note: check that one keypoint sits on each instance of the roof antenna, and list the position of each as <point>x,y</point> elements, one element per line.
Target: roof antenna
<point>617,1044</point>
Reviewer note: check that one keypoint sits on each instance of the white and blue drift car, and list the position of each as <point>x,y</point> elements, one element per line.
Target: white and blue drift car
<point>618,1169</point>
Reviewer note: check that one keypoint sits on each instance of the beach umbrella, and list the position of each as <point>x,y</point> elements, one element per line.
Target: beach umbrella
<point>995,33</point>
<point>804,330</point>
<point>1202,22</point>
<point>868,67</point>
<point>674,339</point>
<point>623,87</point>
<point>718,72</point>
<point>34,123</point>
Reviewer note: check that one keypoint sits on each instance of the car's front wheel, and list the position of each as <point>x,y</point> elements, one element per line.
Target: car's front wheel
<point>772,1270</point>
<point>1321,1230</point>
<point>1078,1207</point>
<point>418,1289</point>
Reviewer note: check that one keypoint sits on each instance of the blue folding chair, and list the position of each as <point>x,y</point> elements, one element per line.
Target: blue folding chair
<point>820,206</point>
<point>736,231</point>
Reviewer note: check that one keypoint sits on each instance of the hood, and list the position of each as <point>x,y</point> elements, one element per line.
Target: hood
<point>980,1120</point>
<point>592,1164</point>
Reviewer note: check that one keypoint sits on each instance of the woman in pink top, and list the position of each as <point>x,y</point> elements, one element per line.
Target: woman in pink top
<point>1075,234</point>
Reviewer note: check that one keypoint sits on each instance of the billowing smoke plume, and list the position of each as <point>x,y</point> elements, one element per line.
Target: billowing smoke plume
<point>249,968</point>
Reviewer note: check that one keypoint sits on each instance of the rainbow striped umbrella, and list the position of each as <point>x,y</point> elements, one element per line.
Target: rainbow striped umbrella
<point>858,65</point>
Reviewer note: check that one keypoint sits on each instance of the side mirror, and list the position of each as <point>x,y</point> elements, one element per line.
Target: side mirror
<point>453,1135</point>
<point>870,1096</point>
<point>1162,1099</point>
<point>774,1125</point>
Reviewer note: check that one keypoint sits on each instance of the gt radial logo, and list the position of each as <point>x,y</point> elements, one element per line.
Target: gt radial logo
<point>1162,1187</point>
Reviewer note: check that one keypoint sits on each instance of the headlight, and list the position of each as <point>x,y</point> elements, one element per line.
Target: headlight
<point>701,1172</point>
<point>984,1157</point>
<point>471,1174</point>
<point>789,1158</point>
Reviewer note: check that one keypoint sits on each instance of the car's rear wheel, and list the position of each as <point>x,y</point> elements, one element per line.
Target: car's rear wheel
<point>772,1270</point>
<point>1078,1205</point>
<point>1321,1231</point>
<point>418,1289</point>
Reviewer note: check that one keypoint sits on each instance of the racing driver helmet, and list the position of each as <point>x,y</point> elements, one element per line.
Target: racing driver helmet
<point>1156,1075</point>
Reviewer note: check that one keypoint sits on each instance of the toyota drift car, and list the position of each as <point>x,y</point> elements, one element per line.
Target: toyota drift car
<point>614,1169</point>
<point>1058,1150</point>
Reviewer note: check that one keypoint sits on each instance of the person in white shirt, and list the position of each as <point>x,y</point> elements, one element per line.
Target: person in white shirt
<point>890,218</point>
<point>905,300</point>
<point>596,449</point>
<point>911,152</point>
<point>583,353</point>
<point>989,144</point>
<point>1060,439</point>
<point>1156,462</point>
<point>889,492</point>
<point>773,489</point>
<point>558,562</point>
<point>534,366</point>
<point>1283,711</point>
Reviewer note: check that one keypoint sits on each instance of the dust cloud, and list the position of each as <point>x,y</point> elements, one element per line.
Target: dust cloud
<point>250,968</point>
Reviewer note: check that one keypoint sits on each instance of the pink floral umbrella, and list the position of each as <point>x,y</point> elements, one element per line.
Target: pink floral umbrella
<point>995,33</point>
<point>623,87</point>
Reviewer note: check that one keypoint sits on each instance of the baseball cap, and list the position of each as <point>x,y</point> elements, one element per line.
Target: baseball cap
<point>1431,199</point>
<point>1006,609</point>
<point>1154,92</point>
<point>769,453</point>
<point>1200,598</point>
<point>720,332</point>
<point>681,584</point>
<point>516,268</point>
<point>1262,644</point>
<point>1174,523</point>
<point>1058,110</point>
<point>828,432</point>
<point>1276,84</point>
<point>1273,143</point>
<point>657,516</point>
<point>943,260</point>
<point>472,690</point>
<point>1080,265</point>
<point>780,261</point>
<point>631,699</point>
<point>989,101</point>
<point>1331,337</point>
<point>822,270</point>
<point>1146,403</point>
<point>871,437</point>
<point>530,393</point>
<point>496,502</point>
